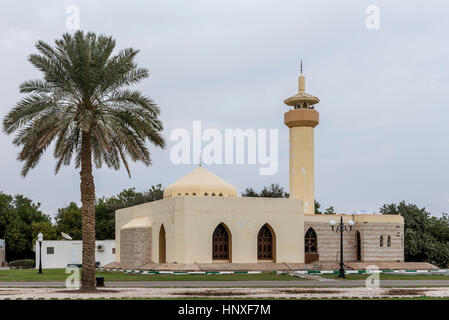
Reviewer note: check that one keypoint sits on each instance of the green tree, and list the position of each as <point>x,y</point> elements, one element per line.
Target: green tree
<point>85,105</point>
<point>104,220</point>
<point>44,227</point>
<point>317,207</point>
<point>6,212</point>
<point>250,192</point>
<point>275,191</point>
<point>426,238</point>
<point>329,210</point>
<point>17,216</point>
<point>68,220</point>
<point>271,191</point>
<point>154,193</point>
<point>105,208</point>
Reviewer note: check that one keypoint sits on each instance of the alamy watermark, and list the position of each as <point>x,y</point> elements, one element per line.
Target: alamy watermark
<point>73,280</point>
<point>373,280</point>
<point>72,22</point>
<point>372,21</point>
<point>235,146</point>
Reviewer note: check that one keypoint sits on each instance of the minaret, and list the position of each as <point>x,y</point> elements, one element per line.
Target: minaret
<point>302,120</point>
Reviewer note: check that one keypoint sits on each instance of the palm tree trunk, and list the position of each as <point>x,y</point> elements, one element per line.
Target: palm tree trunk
<point>88,214</point>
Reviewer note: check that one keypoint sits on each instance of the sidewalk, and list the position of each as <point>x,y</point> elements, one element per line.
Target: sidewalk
<point>244,293</point>
<point>270,266</point>
<point>235,284</point>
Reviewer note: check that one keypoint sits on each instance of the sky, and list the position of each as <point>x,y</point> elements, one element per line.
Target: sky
<point>383,132</point>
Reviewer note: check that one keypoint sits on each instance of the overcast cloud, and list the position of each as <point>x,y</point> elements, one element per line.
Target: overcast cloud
<point>383,132</point>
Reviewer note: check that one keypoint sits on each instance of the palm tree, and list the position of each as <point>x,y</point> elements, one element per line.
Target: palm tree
<point>86,104</point>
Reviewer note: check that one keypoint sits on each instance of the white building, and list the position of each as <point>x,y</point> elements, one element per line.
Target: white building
<point>60,253</point>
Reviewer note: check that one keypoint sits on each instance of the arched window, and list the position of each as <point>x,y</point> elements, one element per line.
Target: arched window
<point>381,241</point>
<point>311,241</point>
<point>206,194</point>
<point>265,243</point>
<point>221,243</point>
<point>213,194</point>
<point>220,195</point>
<point>389,241</point>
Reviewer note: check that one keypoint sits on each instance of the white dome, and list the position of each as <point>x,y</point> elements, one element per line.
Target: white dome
<point>200,182</point>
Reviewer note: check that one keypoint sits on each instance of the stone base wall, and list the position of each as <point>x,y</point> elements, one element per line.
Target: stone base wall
<point>370,232</point>
<point>135,247</point>
<point>370,238</point>
<point>329,242</point>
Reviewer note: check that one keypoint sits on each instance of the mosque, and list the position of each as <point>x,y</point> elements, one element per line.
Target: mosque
<point>202,219</point>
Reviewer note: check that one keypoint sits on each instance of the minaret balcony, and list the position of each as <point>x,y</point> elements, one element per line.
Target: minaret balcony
<point>301,118</point>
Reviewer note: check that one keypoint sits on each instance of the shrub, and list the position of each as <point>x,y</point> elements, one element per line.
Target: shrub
<point>22,264</point>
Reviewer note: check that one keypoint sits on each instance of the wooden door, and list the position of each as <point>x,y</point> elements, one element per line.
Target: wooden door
<point>220,243</point>
<point>265,244</point>
<point>311,246</point>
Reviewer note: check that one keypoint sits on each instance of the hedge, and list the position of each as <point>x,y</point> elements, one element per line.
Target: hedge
<point>22,264</point>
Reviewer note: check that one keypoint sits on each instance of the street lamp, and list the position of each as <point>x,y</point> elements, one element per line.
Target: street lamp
<point>40,238</point>
<point>341,227</point>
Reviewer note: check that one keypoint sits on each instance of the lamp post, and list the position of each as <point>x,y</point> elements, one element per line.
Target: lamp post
<point>40,238</point>
<point>341,227</point>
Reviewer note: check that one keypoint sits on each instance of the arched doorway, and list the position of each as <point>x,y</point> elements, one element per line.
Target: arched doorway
<point>162,245</point>
<point>359,246</point>
<point>221,243</point>
<point>266,243</point>
<point>311,246</point>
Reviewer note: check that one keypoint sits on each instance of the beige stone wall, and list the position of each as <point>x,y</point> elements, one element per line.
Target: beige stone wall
<point>329,242</point>
<point>370,236</point>
<point>244,217</point>
<point>301,174</point>
<point>190,221</point>
<point>159,212</point>
<point>371,227</point>
<point>135,247</point>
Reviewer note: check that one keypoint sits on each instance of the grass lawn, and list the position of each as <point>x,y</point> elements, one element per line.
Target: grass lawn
<point>384,276</point>
<point>31,275</point>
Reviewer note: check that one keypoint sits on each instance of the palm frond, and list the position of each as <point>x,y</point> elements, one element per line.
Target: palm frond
<point>85,89</point>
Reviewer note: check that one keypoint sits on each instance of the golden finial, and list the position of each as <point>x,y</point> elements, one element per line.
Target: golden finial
<point>300,68</point>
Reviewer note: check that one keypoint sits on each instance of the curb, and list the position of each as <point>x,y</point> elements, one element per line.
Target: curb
<point>180,272</point>
<point>278,272</point>
<point>372,271</point>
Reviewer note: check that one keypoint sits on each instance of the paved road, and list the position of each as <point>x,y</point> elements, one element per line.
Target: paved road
<point>199,284</point>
